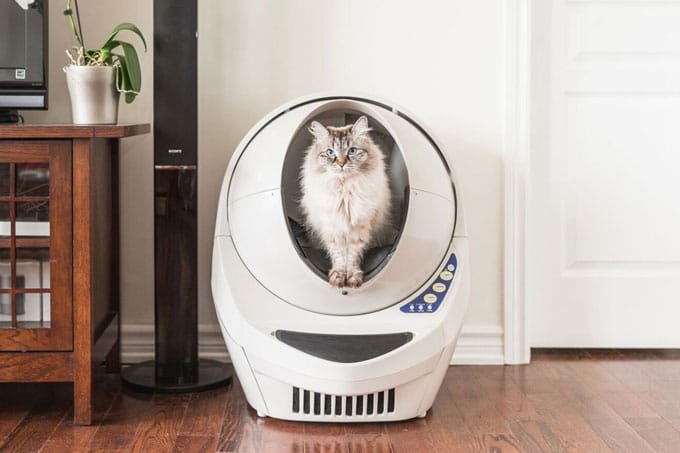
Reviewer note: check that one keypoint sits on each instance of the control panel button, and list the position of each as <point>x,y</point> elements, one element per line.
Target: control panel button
<point>430,298</point>
<point>439,287</point>
<point>446,275</point>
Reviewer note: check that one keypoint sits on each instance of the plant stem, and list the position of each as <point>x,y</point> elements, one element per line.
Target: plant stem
<point>80,27</point>
<point>73,24</point>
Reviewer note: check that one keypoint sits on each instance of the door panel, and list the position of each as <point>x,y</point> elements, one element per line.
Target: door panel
<point>36,308</point>
<point>604,255</point>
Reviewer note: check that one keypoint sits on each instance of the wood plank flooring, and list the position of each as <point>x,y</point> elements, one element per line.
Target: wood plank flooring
<point>584,401</point>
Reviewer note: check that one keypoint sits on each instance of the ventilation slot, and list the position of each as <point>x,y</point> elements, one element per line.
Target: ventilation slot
<point>338,405</point>
<point>323,405</point>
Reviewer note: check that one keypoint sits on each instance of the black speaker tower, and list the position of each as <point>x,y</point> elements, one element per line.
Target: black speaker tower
<point>177,367</point>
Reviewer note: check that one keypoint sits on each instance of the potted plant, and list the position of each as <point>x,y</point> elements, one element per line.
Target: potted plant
<point>96,77</point>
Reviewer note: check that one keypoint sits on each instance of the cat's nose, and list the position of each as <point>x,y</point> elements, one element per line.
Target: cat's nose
<point>341,162</point>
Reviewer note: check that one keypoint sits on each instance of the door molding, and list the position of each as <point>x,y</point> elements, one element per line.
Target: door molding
<point>516,147</point>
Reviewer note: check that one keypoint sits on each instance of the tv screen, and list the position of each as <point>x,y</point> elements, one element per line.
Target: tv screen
<point>12,29</point>
<point>23,54</point>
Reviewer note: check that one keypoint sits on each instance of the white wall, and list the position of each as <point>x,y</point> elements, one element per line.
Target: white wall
<point>442,61</point>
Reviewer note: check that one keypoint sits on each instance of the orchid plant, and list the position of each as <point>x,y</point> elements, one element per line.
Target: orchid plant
<point>114,52</point>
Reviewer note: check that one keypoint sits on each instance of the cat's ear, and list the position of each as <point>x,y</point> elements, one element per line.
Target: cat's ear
<point>318,130</point>
<point>360,127</point>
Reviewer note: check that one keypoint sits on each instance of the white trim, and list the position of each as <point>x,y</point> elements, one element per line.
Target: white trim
<point>477,344</point>
<point>137,343</point>
<point>516,156</point>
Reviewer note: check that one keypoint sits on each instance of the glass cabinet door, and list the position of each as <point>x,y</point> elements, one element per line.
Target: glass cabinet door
<point>35,246</point>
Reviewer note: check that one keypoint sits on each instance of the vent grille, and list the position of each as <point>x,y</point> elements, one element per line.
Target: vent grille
<point>321,404</point>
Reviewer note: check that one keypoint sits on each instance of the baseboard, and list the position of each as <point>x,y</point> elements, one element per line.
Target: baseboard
<point>477,344</point>
<point>137,343</point>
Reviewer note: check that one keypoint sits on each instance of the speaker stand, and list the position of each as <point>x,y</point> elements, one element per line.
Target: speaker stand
<point>141,377</point>
<point>176,368</point>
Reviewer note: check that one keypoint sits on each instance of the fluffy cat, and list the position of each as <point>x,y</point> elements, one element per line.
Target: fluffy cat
<point>345,196</point>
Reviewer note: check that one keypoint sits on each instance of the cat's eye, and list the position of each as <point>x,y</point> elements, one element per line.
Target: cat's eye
<point>351,151</point>
<point>330,153</point>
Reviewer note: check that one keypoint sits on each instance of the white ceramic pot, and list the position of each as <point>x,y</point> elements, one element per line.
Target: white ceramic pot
<point>94,97</point>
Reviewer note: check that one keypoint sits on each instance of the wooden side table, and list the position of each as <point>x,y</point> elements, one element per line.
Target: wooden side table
<point>59,254</point>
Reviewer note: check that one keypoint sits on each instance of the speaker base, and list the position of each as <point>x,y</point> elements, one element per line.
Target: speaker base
<point>141,377</point>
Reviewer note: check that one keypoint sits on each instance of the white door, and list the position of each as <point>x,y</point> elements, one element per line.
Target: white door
<point>604,189</point>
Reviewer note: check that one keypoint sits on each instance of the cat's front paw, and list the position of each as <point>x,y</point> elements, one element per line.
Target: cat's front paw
<point>337,279</point>
<point>356,279</point>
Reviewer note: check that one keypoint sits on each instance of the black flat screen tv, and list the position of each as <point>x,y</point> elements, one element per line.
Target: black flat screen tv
<point>23,57</point>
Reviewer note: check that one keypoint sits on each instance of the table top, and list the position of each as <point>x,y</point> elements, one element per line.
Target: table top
<point>72,130</point>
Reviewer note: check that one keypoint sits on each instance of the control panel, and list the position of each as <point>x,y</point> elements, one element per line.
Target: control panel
<point>428,300</point>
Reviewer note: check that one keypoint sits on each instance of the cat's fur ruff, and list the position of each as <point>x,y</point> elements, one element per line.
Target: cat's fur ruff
<point>345,196</point>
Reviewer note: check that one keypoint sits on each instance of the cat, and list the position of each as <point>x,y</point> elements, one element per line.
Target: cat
<point>345,196</point>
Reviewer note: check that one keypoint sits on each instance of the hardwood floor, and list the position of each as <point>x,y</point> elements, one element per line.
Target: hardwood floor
<point>585,401</point>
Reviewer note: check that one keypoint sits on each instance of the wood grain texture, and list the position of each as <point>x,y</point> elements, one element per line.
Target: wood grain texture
<point>570,427</point>
<point>61,252</point>
<point>113,358</point>
<point>84,186</point>
<point>101,217</point>
<point>658,432</point>
<point>34,151</point>
<point>619,435</point>
<point>75,438</point>
<point>373,437</point>
<point>563,402</point>
<point>488,402</point>
<point>27,242</point>
<point>59,337</point>
<point>241,429</point>
<point>36,428</point>
<point>160,427</point>
<point>117,430</point>
<point>82,280</point>
<point>447,427</point>
<point>16,402</point>
<point>323,438</point>
<point>36,367</point>
<point>534,435</point>
<point>121,130</point>
<point>205,414</point>
<point>68,131</point>
<point>281,435</point>
<point>195,444</point>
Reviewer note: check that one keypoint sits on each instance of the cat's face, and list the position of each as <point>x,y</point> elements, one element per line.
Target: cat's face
<point>342,151</point>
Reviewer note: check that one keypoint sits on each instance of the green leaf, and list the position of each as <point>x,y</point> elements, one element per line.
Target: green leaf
<point>130,73</point>
<point>125,84</point>
<point>131,62</point>
<point>121,27</point>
